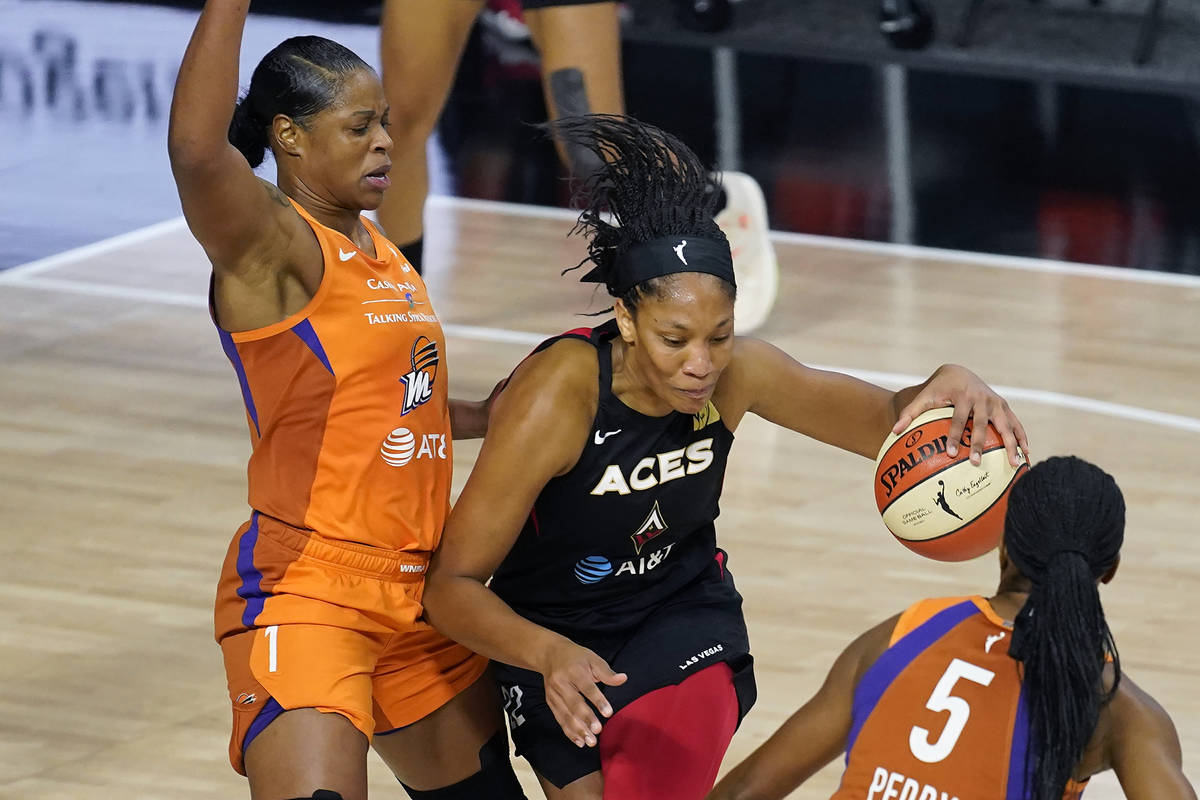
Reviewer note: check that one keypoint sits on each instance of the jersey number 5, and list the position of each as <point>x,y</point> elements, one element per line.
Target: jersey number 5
<point>943,700</point>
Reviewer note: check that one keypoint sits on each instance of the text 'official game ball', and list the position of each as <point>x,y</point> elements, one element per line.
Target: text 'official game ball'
<point>943,508</point>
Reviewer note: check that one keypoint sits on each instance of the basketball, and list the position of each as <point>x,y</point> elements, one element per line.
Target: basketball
<point>940,507</point>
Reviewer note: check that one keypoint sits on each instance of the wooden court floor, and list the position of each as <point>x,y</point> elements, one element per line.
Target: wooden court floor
<point>123,447</point>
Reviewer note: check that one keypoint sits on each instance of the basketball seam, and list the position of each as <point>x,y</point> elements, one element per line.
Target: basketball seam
<point>938,472</point>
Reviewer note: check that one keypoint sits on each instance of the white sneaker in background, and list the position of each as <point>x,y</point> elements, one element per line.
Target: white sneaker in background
<point>744,221</point>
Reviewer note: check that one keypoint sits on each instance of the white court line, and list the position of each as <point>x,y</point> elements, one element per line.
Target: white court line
<point>475,332</point>
<point>1118,410</point>
<point>863,246</point>
<point>23,276</point>
<point>549,212</point>
<point>89,250</point>
<point>501,207</point>
<point>989,259</point>
<point>530,339</point>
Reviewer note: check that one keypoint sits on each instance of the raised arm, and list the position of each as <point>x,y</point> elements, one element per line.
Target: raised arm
<point>244,224</point>
<point>1143,747</point>
<point>538,427</point>
<point>812,737</point>
<point>853,414</point>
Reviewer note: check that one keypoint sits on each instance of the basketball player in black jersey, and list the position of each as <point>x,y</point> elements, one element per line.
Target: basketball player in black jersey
<point>593,499</point>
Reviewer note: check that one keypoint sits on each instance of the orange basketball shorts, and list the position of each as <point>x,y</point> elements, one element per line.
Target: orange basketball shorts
<point>309,622</point>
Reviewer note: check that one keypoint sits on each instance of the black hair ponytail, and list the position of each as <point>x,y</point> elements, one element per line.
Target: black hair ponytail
<point>299,78</point>
<point>1064,529</point>
<point>651,183</point>
<point>248,133</point>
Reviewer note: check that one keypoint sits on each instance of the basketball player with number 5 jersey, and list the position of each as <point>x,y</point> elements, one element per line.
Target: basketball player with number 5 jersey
<point>951,700</point>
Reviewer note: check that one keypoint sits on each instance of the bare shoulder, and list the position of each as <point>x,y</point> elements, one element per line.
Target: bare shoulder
<point>750,352</point>
<point>288,238</point>
<point>756,361</point>
<point>1136,738</point>
<point>1132,711</point>
<point>870,645</point>
<point>752,359</point>
<point>551,398</point>
<point>568,369</point>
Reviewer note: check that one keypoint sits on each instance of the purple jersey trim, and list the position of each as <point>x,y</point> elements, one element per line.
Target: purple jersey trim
<point>235,358</point>
<point>896,658</point>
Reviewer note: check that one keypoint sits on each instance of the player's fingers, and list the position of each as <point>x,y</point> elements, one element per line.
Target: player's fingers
<point>570,718</point>
<point>958,424</point>
<point>603,673</point>
<point>1022,440</point>
<point>979,422</point>
<point>920,404</point>
<point>1010,441</point>
<point>594,696</point>
<point>1006,425</point>
<point>586,719</point>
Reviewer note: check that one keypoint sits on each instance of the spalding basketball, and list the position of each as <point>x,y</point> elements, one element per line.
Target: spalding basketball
<point>943,508</point>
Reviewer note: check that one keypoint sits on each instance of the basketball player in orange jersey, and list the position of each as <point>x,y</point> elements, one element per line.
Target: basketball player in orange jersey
<point>592,503</point>
<point>580,47</point>
<point>341,361</point>
<point>1019,696</point>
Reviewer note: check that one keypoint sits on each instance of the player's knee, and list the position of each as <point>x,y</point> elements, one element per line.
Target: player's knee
<point>495,778</point>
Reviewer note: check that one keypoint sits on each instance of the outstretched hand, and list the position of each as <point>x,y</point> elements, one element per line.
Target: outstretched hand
<point>572,676</point>
<point>952,385</point>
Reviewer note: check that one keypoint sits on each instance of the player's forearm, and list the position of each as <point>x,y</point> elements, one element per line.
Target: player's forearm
<point>737,785</point>
<point>207,86</point>
<point>765,775</point>
<point>468,418</point>
<point>470,613</point>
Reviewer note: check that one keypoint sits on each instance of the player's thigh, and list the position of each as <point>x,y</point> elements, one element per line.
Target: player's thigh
<point>436,708</point>
<point>566,771</point>
<point>302,708</point>
<point>305,750</point>
<point>421,43</point>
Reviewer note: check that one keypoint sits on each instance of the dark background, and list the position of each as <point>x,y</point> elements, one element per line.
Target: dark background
<point>1042,138</point>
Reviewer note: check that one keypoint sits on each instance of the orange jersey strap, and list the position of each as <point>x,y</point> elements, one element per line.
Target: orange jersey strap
<point>919,613</point>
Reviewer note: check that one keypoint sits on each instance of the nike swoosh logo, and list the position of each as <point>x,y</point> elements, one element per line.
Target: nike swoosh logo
<point>344,256</point>
<point>600,439</point>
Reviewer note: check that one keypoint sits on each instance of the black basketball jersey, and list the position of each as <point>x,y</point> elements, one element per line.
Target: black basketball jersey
<point>629,525</point>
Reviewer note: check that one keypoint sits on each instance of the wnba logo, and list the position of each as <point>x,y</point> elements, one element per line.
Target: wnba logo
<point>418,384</point>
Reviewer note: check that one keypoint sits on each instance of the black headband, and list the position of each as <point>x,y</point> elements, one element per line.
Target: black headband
<point>665,255</point>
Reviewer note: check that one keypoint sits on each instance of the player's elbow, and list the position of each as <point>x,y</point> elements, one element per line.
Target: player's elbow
<point>189,154</point>
<point>442,590</point>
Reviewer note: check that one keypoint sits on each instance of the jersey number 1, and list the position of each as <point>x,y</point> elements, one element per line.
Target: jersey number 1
<point>942,700</point>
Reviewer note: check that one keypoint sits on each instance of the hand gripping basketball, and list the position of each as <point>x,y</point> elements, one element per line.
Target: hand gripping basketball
<point>971,398</point>
<point>937,504</point>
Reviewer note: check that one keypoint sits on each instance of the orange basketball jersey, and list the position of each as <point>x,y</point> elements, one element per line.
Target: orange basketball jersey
<point>347,406</point>
<point>939,716</point>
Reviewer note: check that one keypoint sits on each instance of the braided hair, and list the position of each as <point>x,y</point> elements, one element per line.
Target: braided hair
<point>651,184</point>
<point>1064,529</point>
<point>299,78</point>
